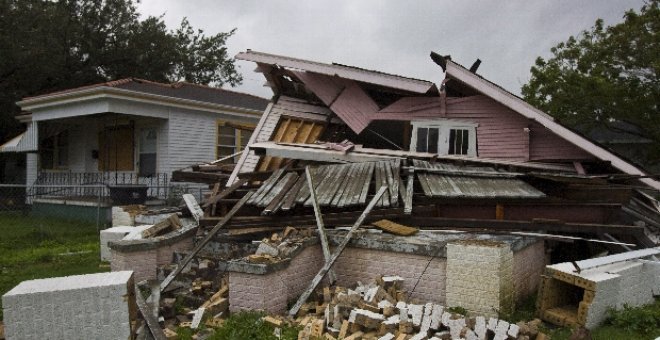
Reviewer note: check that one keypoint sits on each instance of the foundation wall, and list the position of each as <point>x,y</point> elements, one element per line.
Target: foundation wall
<point>480,280</point>
<point>424,276</point>
<point>94,306</point>
<point>271,292</point>
<point>144,261</point>
<point>528,266</point>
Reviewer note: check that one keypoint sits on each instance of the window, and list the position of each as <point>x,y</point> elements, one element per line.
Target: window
<point>54,151</point>
<point>444,137</point>
<point>147,152</point>
<point>232,138</point>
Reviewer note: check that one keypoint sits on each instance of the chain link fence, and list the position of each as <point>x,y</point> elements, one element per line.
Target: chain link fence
<point>90,203</point>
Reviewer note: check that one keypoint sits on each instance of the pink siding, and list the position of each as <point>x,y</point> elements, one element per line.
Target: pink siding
<point>500,133</point>
<point>545,145</point>
<point>345,98</point>
<point>355,107</point>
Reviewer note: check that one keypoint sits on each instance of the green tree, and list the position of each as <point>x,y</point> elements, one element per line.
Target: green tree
<point>48,45</point>
<point>604,76</point>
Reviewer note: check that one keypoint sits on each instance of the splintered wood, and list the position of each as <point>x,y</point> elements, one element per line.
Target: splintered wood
<point>380,310</point>
<point>395,228</point>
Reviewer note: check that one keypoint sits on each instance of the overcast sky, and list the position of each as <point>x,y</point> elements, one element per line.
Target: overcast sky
<point>395,36</point>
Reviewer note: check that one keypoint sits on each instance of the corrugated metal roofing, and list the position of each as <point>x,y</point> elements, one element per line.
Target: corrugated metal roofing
<point>477,182</point>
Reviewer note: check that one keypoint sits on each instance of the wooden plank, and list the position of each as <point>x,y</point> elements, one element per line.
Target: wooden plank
<point>395,228</point>
<point>407,204</point>
<point>366,182</point>
<point>332,187</point>
<point>353,194</point>
<point>378,179</point>
<point>328,177</point>
<point>194,208</point>
<point>319,173</point>
<point>206,240</point>
<point>266,186</point>
<point>276,189</point>
<point>319,223</point>
<point>289,200</point>
<point>342,186</point>
<point>396,183</point>
<point>214,192</point>
<point>326,267</point>
<point>276,201</point>
<point>350,185</point>
<point>149,319</point>
<point>228,191</point>
<point>422,177</point>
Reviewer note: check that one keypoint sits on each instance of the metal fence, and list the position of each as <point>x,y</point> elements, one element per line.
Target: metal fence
<point>96,183</point>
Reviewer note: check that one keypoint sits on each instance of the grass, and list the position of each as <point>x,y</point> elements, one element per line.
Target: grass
<point>34,248</point>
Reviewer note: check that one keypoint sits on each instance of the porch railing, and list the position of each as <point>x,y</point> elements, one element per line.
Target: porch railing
<point>86,184</point>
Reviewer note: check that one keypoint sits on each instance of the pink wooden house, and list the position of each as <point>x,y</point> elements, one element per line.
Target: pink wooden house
<point>465,117</point>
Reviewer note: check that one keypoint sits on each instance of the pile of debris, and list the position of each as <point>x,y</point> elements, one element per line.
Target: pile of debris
<point>280,245</point>
<point>382,310</point>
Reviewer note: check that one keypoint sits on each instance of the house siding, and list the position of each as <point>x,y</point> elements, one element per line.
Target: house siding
<point>501,133</point>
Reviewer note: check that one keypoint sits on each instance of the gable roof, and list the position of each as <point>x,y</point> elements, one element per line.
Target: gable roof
<point>180,90</point>
<point>458,73</point>
<point>343,71</point>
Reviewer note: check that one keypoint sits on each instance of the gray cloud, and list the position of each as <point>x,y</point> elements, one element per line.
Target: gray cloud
<point>396,36</point>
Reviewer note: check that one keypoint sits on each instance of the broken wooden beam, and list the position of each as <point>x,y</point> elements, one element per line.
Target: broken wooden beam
<point>317,279</point>
<point>319,223</point>
<point>228,191</point>
<point>205,241</point>
<point>149,319</point>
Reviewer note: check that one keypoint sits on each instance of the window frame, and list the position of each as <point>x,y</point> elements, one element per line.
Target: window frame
<point>444,127</point>
<point>60,142</point>
<point>239,130</point>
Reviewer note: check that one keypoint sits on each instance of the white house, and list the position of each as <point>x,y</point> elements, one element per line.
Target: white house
<point>130,131</point>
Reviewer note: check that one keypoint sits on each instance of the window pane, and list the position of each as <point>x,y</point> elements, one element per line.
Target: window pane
<point>245,137</point>
<point>226,140</point>
<point>452,142</point>
<point>433,140</point>
<point>464,143</point>
<point>225,151</point>
<point>422,134</point>
<point>225,130</point>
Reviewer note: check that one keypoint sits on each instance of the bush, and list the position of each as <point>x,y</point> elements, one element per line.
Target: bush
<point>644,320</point>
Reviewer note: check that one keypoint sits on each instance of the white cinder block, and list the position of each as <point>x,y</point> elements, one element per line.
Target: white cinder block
<point>112,234</point>
<point>93,306</point>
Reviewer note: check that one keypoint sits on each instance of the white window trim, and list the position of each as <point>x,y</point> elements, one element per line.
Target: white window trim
<point>444,126</point>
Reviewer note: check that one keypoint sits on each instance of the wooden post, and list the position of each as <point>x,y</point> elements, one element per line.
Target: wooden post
<point>319,223</point>
<point>206,240</point>
<point>194,208</point>
<point>317,279</point>
<point>499,211</point>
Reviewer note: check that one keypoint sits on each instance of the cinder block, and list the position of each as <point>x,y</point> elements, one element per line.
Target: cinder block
<point>59,308</point>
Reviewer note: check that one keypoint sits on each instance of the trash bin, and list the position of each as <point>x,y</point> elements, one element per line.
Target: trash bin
<point>127,194</point>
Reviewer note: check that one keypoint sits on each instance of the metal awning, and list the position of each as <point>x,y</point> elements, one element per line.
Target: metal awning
<point>25,142</point>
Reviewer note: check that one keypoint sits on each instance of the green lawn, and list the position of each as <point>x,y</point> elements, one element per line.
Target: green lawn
<point>34,248</point>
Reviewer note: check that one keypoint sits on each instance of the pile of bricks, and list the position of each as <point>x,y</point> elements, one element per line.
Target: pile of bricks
<point>279,245</point>
<point>382,310</point>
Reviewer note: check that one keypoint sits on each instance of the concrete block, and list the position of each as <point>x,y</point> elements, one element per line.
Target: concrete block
<point>94,306</point>
<point>112,234</point>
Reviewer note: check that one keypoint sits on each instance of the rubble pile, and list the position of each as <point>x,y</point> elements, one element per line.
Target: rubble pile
<point>280,245</point>
<point>382,310</point>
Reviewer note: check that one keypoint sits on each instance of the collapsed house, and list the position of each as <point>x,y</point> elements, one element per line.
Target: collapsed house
<point>462,192</point>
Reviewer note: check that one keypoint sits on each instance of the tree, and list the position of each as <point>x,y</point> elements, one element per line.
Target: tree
<point>50,45</point>
<point>605,76</point>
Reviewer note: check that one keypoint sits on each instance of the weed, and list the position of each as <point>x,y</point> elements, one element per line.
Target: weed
<point>457,310</point>
<point>644,320</point>
<point>249,325</point>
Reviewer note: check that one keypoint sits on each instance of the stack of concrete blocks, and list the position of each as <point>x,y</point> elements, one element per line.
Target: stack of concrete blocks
<point>94,306</point>
<point>480,276</point>
<point>632,282</point>
<point>118,233</point>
